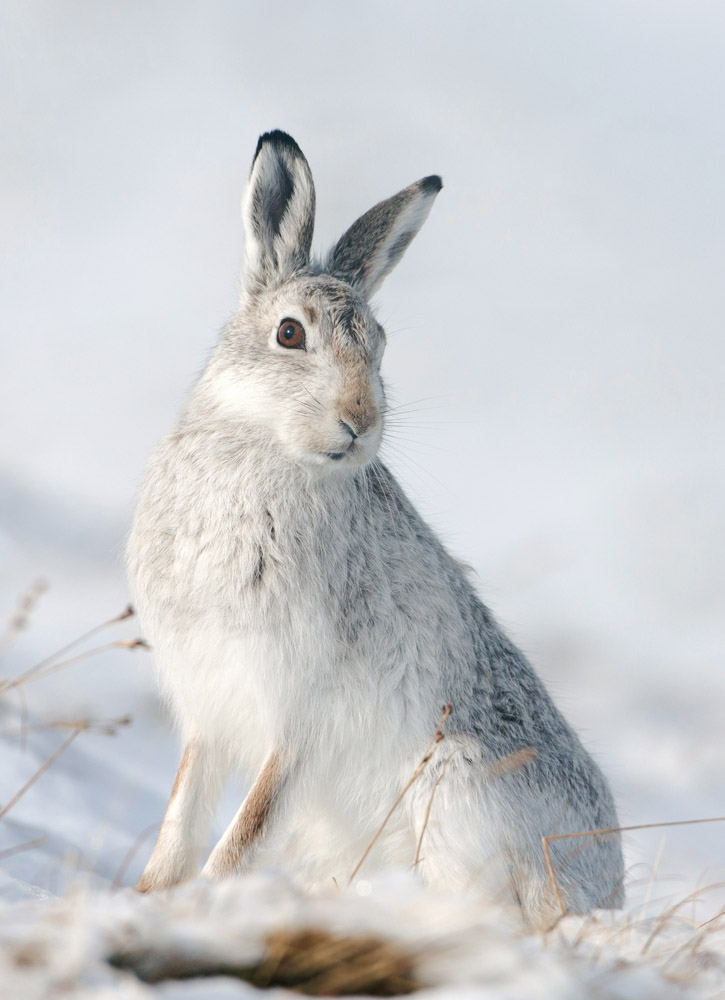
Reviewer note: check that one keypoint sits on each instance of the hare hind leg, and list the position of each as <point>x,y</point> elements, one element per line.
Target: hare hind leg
<point>185,826</point>
<point>235,850</point>
<point>472,843</point>
<point>462,846</point>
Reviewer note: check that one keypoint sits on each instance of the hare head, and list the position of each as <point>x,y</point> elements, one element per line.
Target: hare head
<point>301,360</point>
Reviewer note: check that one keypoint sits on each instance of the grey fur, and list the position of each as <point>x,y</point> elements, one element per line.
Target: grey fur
<point>298,605</point>
<point>374,244</point>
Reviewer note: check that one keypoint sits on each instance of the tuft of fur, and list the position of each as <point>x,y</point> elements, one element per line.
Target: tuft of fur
<point>308,625</point>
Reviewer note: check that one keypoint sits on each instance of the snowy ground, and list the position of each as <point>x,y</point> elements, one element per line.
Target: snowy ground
<point>556,329</point>
<point>70,925</point>
<point>202,941</point>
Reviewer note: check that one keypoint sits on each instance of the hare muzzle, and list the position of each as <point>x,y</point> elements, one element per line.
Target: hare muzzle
<point>359,421</point>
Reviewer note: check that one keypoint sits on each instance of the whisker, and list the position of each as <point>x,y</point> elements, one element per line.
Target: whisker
<point>319,404</point>
<point>385,497</point>
<point>414,402</point>
<point>405,457</point>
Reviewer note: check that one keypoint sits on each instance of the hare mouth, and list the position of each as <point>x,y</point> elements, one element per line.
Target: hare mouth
<point>352,455</point>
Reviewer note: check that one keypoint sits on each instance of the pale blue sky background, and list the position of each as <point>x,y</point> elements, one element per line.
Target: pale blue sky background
<point>560,315</point>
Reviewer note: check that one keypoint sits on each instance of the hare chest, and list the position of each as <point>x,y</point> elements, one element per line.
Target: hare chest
<point>268,690</point>
<point>242,613</point>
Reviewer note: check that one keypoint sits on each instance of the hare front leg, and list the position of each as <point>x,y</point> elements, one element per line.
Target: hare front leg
<point>185,825</point>
<point>234,851</point>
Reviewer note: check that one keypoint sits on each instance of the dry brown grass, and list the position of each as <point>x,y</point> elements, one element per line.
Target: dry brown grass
<point>50,664</point>
<point>607,832</point>
<point>314,961</point>
<point>438,736</point>
<point>21,616</point>
<point>309,961</point>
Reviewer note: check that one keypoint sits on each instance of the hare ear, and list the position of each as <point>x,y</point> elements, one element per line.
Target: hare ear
<point>278,210</point>
<point>374,244</point>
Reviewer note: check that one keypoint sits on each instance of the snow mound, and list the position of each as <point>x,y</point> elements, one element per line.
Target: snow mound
<point>383,937</point>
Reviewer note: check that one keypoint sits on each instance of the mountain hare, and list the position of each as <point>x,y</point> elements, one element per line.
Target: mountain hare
<point>308,625</point>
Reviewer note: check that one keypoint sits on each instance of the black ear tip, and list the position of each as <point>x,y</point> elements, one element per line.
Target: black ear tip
<point>278,138</point>
<point>432,184</point>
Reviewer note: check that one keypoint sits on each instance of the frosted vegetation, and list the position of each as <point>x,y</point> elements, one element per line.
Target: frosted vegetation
<point>71,923</point>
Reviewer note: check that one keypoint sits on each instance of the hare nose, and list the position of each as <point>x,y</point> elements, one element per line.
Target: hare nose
<point>348,428</point>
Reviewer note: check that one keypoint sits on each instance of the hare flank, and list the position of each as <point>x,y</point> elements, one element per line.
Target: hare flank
<point>308,625</point>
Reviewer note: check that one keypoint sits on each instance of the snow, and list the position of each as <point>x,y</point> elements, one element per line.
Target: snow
<point>556,347</point>
<point>459,947</point>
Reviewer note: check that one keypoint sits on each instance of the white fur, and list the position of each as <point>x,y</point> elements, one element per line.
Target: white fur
<point>300,610</point>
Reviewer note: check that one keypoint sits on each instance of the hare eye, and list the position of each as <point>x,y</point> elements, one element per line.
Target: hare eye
<point>291,334</point>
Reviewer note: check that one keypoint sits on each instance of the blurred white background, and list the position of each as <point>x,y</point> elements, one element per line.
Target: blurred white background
<point>556,329</point>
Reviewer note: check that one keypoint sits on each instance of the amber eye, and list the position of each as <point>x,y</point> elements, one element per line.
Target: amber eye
<point>291,334</point>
